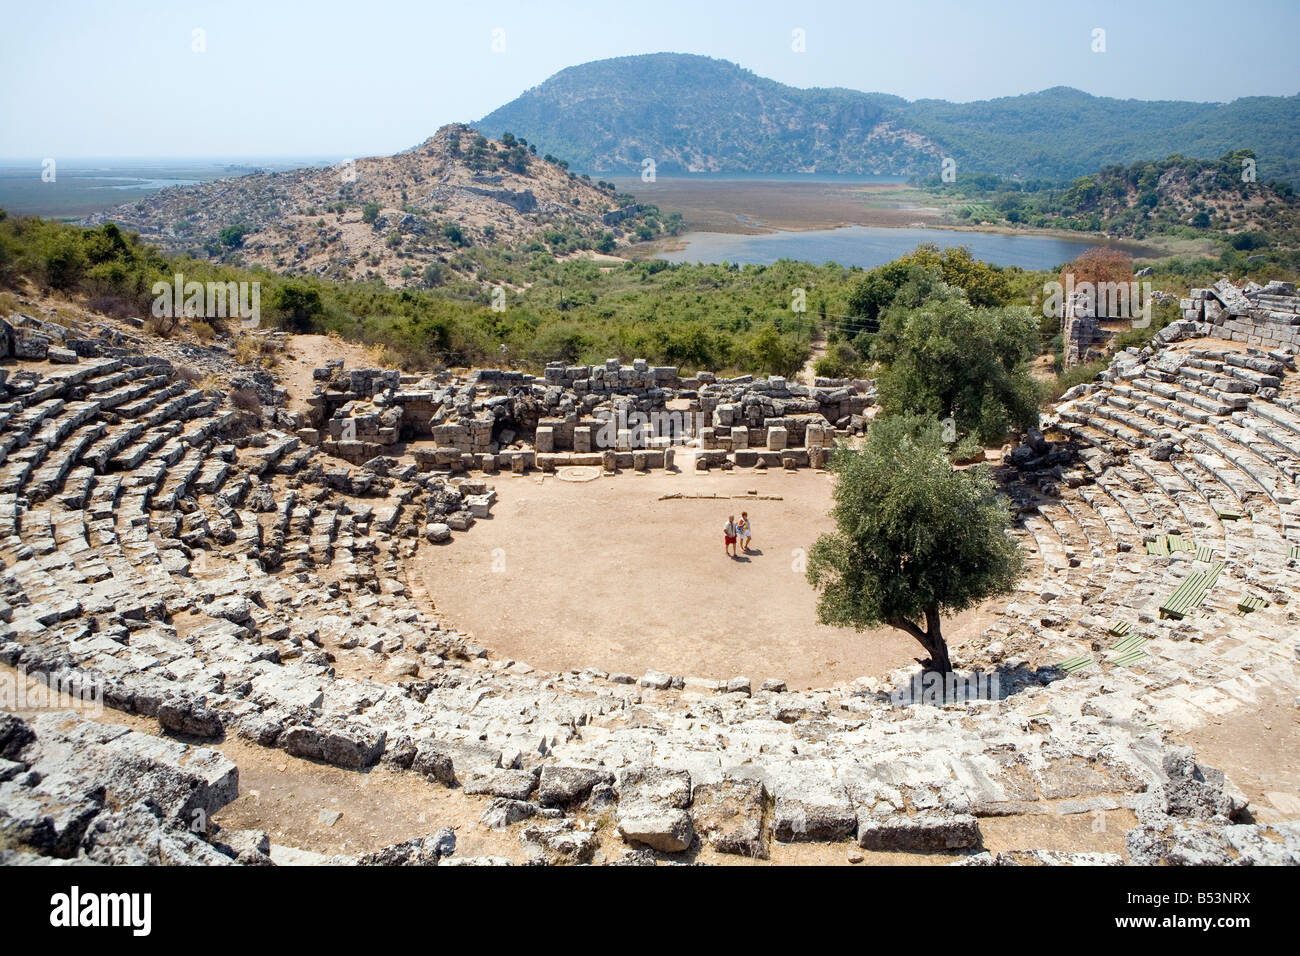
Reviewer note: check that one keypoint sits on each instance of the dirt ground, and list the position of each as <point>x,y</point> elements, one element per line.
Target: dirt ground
<point>603,574</point>
<point>1256,748</point>
<point>307,352</point>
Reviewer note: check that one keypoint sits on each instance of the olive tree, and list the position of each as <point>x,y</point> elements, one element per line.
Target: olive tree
<point>915,538</point>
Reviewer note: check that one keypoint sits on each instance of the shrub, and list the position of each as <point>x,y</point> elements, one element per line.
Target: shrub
<point>245,400</point>
<point>297,306</point>
<point>63,261</point>
<point>840,361</point>
<point>1075,375</point>
<point>946,357</point>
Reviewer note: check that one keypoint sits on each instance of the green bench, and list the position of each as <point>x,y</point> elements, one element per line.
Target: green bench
<point>1073,665</point>
<point>1249,603</point>
<point>1166,544</point>
<point>1127,650</point>
<point>1191,592</point>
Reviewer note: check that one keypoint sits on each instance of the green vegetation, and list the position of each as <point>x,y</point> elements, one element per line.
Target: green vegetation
<point>946,341</point>
<point>944,357</point>
<point>699,317</point>
<point>1177,197</point>
<point>915,539</point>
<point>948,338</point>
<point>983,284</point>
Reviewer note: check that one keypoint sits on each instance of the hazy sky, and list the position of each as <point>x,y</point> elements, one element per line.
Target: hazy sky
<point>122,78</point>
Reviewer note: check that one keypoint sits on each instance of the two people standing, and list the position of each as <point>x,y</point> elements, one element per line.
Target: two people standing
<point>733,531</point>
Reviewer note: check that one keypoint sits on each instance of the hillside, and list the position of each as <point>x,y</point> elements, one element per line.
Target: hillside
<point>1176,196</point>
<point>411,218</point>
<point>694,113</point>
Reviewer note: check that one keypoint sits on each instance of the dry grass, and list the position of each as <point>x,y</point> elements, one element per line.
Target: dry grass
<point>64,316</point>
<point>256,350</point>
<point>186,374</point>
<point>164,327</point>
<point>245,400</point>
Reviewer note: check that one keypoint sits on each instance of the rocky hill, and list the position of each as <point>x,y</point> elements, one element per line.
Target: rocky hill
<point>694,113</point>
<point>698,114</point>
<point>1178,191</point>
<point>1221,198</point>
<point>404,219</point>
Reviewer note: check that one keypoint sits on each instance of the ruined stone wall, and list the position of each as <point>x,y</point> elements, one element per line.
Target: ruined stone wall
<point>1079,329</point>
<point>609,415</point>
<point>1266,317</point>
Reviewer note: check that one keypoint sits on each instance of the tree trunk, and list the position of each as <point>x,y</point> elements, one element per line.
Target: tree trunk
<point>931,639</point>
<point>935,644</point>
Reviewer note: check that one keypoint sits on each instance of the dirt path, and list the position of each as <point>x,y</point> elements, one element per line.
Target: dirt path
<point>808,374</point>
<point>307,352</point>
<point>605,575</point>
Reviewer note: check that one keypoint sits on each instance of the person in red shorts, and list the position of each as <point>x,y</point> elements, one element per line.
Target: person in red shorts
<point>729,537</point>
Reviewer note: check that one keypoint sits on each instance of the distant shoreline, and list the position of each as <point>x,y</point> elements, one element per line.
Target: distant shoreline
<point>1144,251</point>
<point>756,206</point>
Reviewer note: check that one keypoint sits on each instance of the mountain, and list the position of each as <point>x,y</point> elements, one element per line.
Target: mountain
<point>695,113</point>
<point>404,219</point>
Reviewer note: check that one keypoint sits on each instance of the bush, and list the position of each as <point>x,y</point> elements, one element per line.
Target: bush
<point>984,285</point>
<point>232,237</point>
<point>1075,375</point>
<point>63,260</point>
<point>245,400</point>
<point>840,361</point>
<point>297,306</point>
<point>370,212</point>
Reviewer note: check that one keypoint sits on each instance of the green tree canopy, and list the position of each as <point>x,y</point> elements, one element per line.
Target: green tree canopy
<point>915,538</point>
<point>297,305</point>
<point>983,284</point>
<point>945,357</point>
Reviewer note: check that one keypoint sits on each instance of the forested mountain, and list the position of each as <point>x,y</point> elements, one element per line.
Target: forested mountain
<point>694,113</point>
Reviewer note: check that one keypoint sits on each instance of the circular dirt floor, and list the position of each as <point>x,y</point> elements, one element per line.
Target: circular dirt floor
<point>604,574</point>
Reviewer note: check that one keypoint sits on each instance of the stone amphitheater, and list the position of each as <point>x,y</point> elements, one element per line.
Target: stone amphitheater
<point>234,583</point>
